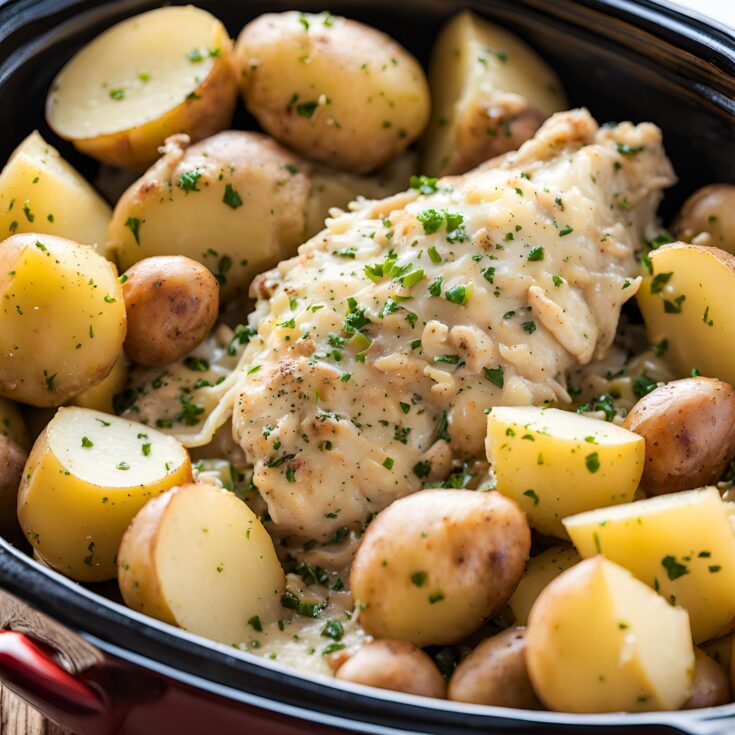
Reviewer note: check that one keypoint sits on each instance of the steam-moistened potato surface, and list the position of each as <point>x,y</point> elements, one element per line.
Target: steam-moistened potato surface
<point>708,217</point>
<point>41,192</point>
<point>711,684</point>
<point>555,463</point>
<point>681,544</point>
<point>172,304</point>
<point>198,557</point>
<point>434,565</point>
<point>235,202</point>
<point>540,570</point>
<point>62,319</point>
<point>687,302</point>
<point>490,92</point>
<point>101,397</point>
<point>689,428</point>
<point>335,90</point>
<point>166,71</point>
<point>88,474</point>
<point>601,641</point>
<point>395,665</point>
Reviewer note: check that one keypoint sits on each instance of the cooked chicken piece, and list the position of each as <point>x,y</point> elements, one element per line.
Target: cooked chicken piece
<point>401,323</point>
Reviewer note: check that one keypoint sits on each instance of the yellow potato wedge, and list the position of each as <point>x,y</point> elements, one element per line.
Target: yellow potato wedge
<point>687,303</point>
<point>166,71</point>
<point>62,319</point>
<point>599,640</point>
<point>682,545</point>
<point>198,557</point>
<point>88,474</point>
<point>555,463</point>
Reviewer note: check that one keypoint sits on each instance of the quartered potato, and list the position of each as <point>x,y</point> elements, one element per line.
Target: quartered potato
<point>41,192</point>
<point>708,217</point>
<point>62,319</point>
<point>682,545</point>
<point>601,641</point>
<point>555,463</point>
<point>166,71</point>
<point>199,558</point>
<point>87,476</point>
<point>490,92</point>
<point>686,301</point>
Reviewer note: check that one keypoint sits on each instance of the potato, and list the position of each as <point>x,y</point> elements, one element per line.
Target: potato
<point>689,428</point>
<point>12,460</point>
<point>490,93</point>
<point>87,476</point>
<point>198,557</point>
<point>235,202</point>
<point>395,665</point>
<point>166,71</point>
<point>720,649</point>
<point>687,303</point>
<point>495,673</point>
<point>171,304</point>
<point>12,425</point>
<point>62,321</point>
<point>434,565</point>
<point>601,641</point>
<point>555,463</point>
<point>41,192</point>
<point>680,544</point>
<point>711,685</point>
<point>102,396</point>
<point>708,217</point>
<point>335,90</point>
<point>540,570</point>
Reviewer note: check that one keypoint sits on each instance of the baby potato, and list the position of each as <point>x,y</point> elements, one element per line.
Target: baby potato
<point>335,90</point>
<point>88,474</point>
<point>171,304</point>
<point>198,557</point>
<point>689,428</point>
<point>711,685</point>
<point>395,665</point>
<point>601,641</point>
<point>101,396</point>
<point>12,460</point>
<point>166,71</point>
<point>495,673</point>
<point>686,301</point>
<point>235,202</point>
<point>41,192</point>
<point>434,565</point>
<point>708,217</point>
<point>62,319</point>
<point>12,424</point>
<point>555,463</point>
<point>490,93</point>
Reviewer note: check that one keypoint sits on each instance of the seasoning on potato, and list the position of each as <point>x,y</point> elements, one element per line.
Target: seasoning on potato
<point>708,217</point>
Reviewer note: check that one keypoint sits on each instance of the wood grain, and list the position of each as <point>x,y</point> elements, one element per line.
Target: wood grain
<point>18,718</point>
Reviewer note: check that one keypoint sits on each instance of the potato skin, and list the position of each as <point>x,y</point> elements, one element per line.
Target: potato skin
<point>171,304</point>
<point>433,565</point>
<point>12,460</point>
<point>689,428</point>
<point>708,217</point>
<point>395,665</point>
<point>711,685</point>
<point>359,101</point>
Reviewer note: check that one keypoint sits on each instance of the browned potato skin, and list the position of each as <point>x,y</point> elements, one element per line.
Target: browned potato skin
<point>12,461</point>
<point>689,428</point>
<point>708,217</point>
<point>171,304</point>
<point>495,673</point>
<point>395,665</point>
<point>711,686</point>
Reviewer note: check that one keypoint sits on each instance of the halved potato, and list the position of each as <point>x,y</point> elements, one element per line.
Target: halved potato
<point>555,463</point>
<point>166,71</point>
<point>687,303</point>
<point>88,474</point>
<point>599,640</point>
<point>198,557</point>
<point>62,319</point>
<point>41,192</point>
<point>490,92</point>
<point>680,544</point>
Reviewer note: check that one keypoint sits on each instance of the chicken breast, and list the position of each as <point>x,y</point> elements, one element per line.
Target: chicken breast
<point>383,343</point>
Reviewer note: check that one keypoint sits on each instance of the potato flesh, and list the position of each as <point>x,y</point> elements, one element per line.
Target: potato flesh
<point>41,192</point>
<point>76,500</point>
<point>555,463</point>
<point>680,544</point>
<point>601,641</point>
<point>698,326</point>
